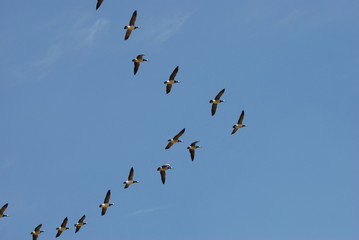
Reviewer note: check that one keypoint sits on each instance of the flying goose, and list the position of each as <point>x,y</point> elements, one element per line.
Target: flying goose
<point>2,210</point>
<point>216,100</point>
<point>175,139</point>
<point>106,203</point>
<point>192,149</point>
<point>131,25</point>
<point>137,62</point>
<point>163,171</point>
<point>80,223</point>
<point>239,123</point>
<point>99,2</point>
<point>171,80</point>
<point>36,232</point>
<point>62,228</point>
<point>130,179</point>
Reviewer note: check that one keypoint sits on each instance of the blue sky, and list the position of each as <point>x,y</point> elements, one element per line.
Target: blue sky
<point>74,119</point>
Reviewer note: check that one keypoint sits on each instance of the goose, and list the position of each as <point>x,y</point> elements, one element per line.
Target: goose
<point>192,149</point>
<point>80,223</point>
<point>62,227</point>
<point>130,179</point>
<point>137,62</point>
<point>106,203</point>
<point>2,210</point>
<point>163,170</point>
<point>175,139</point>
<point>239,123</point>
<point>99,2</point>
<point>131,25</point>
<point>171,80</point>
<point>216,100</point>
<point>36,232</point>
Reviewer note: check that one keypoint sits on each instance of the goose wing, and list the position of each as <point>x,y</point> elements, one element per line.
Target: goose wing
<point>63,224</point>
<point>81,220</point>
<point>191,151</point>
<point>130,176</point>
<point>179,134</point>
<point>99,2</point>
<point>38,228</point>
<point>107,198</point>
<point>2,210</point>
<point>194,143</point>
<point>103,211</point>
<point>133,18</point>
<point>240,120</point>
<point>58,233</point>
<point>173,74</point>
<point>163,176</point>
<point>128,34</point>
<point>220,94</point>
<point>168,88</point>
<point>78,227</point>
<point>234,130</point>
<point>137,65</point>
<point>214,108</point>
<point>169,145</point>
<point>140,57</point>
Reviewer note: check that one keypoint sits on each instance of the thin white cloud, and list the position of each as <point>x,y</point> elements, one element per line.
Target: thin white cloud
<point>88,33</point>
<point>144,211</point>
<point>289,18</point>
<point>81,34</point>
<point>53,53</point>
<point>168,26</point>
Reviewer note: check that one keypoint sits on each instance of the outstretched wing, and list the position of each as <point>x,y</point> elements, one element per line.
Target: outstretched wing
<point>130,176</point>
<point>169,145</point>
<point>137,65</point>
<point>128,33</point>
<point>64,222</point>
<point>240,120</point>
<point>38,228</point>
<point>103,212</point>
<point>140,57</point>
<point>2,210</point>
<point>58,233</point>
<point>99,2</point>
<point>191,151</point>
<point>133,18</point>
<point>77,229</point>
<point>194,143</point>
<point>219,95</point>
<point>174,73</point>
<point>107,198</point>
<point>81,220</point>
<point>168,88</point>
<point>163,176</point>
<point>179,134</point>
<point>214,108</point>
<point>234,130</point>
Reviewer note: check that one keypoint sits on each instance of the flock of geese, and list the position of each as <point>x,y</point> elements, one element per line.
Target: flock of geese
<point>106,203</point>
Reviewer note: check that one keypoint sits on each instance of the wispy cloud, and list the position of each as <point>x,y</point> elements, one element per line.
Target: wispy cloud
<point>88,33</point>
<point>168,26</point>
<point>289,18</point>
<point>145,211</point>
<point>81,34</point>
